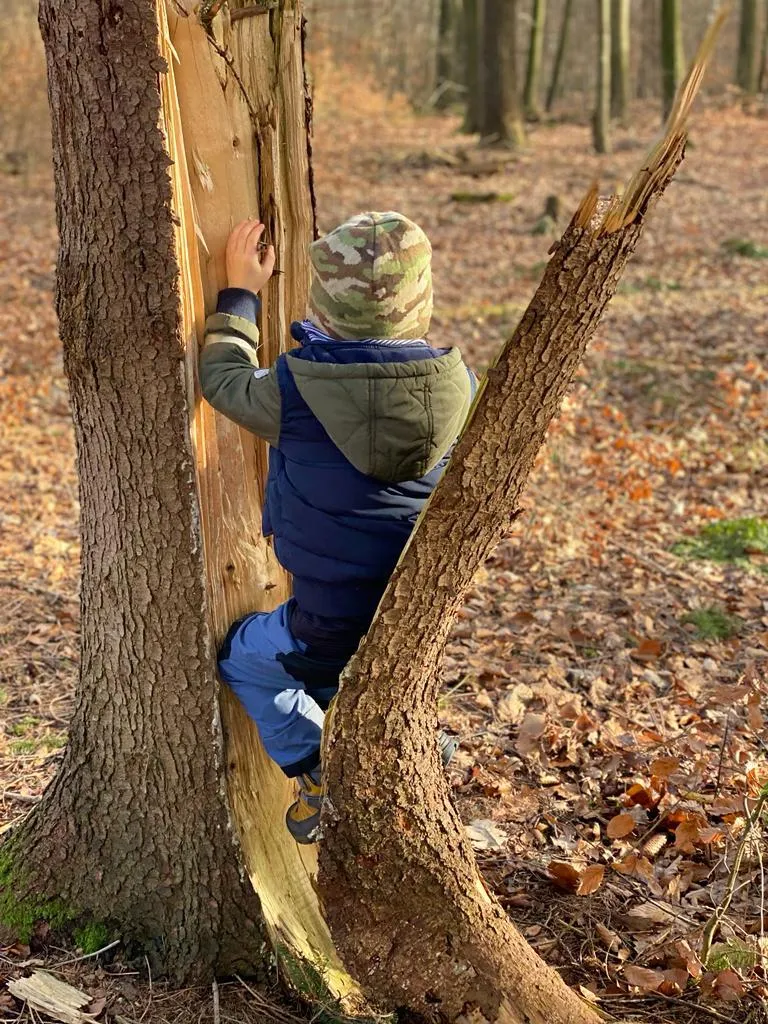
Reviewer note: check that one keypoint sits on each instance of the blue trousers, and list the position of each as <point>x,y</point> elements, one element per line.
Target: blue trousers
<point>289,720</point>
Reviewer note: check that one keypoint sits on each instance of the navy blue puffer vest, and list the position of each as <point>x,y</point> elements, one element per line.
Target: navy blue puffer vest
<point>338,531</point>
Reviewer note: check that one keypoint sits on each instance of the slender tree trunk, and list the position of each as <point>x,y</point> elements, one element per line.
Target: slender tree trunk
<point>406,904</point>
<point>562,46</point>
<point>158,147</point>
<point>620,90</point>
<point>535,50</point>
<point>672,57</point>
<point>448,62</point>
<point>763,82</point>
<point>472,13</point>
<point>501,119</point>
<point>648,70</point>
<point>748,63</point>
<point>602,116</point>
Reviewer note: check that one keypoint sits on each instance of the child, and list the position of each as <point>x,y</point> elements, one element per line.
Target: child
<point>360,420</point>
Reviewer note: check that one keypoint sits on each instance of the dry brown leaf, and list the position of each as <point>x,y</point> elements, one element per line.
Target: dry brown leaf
<point>728,986</point>
<point>621,825</point>
<point>531,731</point>
<point>648,649</point>
<point>663,767</point>
<point>643,978</point>
<point>580,881</point>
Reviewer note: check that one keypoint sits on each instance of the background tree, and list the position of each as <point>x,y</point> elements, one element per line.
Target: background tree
<point>555,83</point>
<point>535,51</point>
<point>672,56</point>
<point>602,117</point>
<point>449,70</point>
<point>471,14</point>
<point>620,36</point>
<point>500,115</point>
<point>748,63</point>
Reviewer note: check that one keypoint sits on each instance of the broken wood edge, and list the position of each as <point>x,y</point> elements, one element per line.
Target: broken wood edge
<point>660,164</point>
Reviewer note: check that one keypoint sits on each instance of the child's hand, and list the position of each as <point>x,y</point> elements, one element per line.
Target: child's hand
<point>249,262</point>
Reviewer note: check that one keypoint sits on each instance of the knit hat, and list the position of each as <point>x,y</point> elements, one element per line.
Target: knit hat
<point>372,279</point>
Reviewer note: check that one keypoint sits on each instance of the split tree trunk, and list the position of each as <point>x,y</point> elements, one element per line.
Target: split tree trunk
<point>165,134</point>
<point>602,116</point>
<point>501,121</point>
<point>409,911</point>
<point>620,92</point>
<point>535,51</point>
<point>748,63</point>
<point>555,84</point>
<point>672,57</point>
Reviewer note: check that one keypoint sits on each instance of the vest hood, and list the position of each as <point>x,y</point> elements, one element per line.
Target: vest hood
<point>392,420</point>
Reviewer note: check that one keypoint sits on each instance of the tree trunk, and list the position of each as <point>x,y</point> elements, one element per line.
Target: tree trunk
<point>448,71</point>
<point>135,831</point>
<point>410,913</point>
<point>602,116</point>
<point>501,119</point>
<point>620,91</point>
<point>472,12</point>
<point>562,46</point>
<point>763,80</point>
<point>648,68</point>
<point>672,57</point>
<point>748,63</point>
<point>408,909</point>
<point>535,50</point>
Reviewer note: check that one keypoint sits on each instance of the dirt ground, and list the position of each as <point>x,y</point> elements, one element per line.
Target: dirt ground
<point>608,672</point>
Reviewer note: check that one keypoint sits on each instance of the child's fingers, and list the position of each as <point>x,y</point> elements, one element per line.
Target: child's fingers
<point>268,262</point>
<point>251,239</point>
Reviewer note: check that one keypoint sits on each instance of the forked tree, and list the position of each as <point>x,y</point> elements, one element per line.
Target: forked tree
<point>161,825</point>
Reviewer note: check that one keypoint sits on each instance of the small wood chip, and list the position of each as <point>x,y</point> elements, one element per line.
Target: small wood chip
<point>54,998</point>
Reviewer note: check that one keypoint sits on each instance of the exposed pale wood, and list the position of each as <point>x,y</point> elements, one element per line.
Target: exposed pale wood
<point>236,124</point>
<point>51,996</point>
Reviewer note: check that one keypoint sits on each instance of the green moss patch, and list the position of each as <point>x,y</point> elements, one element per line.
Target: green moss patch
<point>713,623</point>
<point>738,541</point>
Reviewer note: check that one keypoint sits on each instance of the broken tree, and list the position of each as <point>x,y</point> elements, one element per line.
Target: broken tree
<point>166,130</point>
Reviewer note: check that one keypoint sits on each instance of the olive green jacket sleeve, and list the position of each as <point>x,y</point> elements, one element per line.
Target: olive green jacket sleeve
<point>231,379</point>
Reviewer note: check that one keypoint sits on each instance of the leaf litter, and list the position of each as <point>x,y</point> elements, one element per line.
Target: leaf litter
<point>612,749</point>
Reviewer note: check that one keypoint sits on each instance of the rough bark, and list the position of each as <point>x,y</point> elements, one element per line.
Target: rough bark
<point>748,62</point>
<point>500,114</point>
<point>117,837</point>
<point>562,46</point>
<point>620,90</point>
<point>472,12</point>
<point>407,906</point>
<point>602,116</point>
<point>533,68</point>
<point>672,57</point>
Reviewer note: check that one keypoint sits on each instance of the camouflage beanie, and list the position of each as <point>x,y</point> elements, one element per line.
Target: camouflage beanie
<point>372,279</point>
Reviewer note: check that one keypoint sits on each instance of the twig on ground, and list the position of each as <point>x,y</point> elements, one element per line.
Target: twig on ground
<point>711,927</point>
<point>88,956</point>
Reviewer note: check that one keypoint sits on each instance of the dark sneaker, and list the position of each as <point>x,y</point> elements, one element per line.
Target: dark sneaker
<point>448,746</point>
<point>303,816</point>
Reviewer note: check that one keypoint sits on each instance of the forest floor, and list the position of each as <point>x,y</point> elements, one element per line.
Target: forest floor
<point>608,672</point>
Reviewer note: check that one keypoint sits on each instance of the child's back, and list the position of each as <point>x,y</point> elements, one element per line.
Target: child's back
<point>360,419</point>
